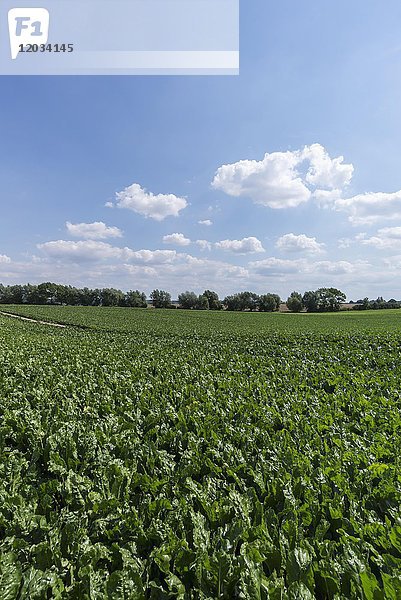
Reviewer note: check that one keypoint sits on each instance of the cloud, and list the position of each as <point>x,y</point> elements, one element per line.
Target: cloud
<point>393,263</point>
<point>190,272</point>
<point>273,265</point>
<point>369,208</point>
<point>344,243</point>
<point>93,231</point>
<point>84,251</point>
<point>299,243</point>
<point>272,182</point>
<point>4,259</point>
<point>206,222</point>
<point>152,257</point>
<point>387,238</point>
<point>80,251</point>
<point>302,267</point>
<point>325,172</point>
<point>249,245</point>
<point>176,271</point>
<point>339,267</point>
<point>204,244</point>
<point>149,205</point>
<point>284,179</point>
<point>177,239</point>
<point>99,264</point>
<point>326,198</point>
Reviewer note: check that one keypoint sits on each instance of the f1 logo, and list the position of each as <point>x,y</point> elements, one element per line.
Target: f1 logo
<point>27,26</point>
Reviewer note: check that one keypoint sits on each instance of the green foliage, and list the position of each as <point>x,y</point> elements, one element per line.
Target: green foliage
<point>112,297</point>
<point>294,302</point>
<point>330,299</point>
<point>377,304</point>
<point>202,303</point>
<point>241,301</point>
<point>160,299</point>
<point>213,300</point>
<point>269,302</point>
<point>188,300</point>
<point>52,293</point>
<point>135,299</point>
<point>311,301</point>
<point>323,300</point>
<point>174,454</point>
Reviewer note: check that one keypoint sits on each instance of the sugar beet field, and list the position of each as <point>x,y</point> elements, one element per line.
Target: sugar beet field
<point>198,455</point>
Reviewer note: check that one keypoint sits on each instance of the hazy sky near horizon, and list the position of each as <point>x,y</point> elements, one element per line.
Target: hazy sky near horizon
<point>286,177</point>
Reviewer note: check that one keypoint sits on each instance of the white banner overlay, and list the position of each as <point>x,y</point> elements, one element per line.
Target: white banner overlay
<point>132,37</point>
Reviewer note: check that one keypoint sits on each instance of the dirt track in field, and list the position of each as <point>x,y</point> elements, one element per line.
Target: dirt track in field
<point>21,318</point>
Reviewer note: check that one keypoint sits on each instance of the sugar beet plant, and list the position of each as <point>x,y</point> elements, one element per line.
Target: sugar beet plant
<point>198,463</point>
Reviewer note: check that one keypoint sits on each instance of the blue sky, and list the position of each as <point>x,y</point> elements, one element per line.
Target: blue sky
<point>319,81</point>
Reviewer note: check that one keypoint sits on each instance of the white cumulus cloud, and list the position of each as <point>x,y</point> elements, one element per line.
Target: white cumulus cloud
<point>93,231</point>
<point>387,238</point>
<point>4,258</point>
<point>206,222</point>
<point>249,245</point>
<point>284,179</point>
<point>393,263</point>
<point>80,250</point>
<point>177,239</point>
<point>301,267</point>
<point>277,266</point>
<point>147,204</point>
<point>325,172</point>
<point>326,198</point>
<point>204,244</point>
<point>299,243</point>
<point>153,257</point>
<point>339,267</point>
<point>90,250</point>
<point>372,207</point>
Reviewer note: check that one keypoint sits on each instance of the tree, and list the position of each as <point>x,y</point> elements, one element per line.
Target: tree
<point>112,297</point>
<point>202,303</point>
<point>41,294</point>
<point>269,302</point>
<point>311,301</point>
<point>241,301</point>
<point>213,299</point>
<point>188,300</point>
<point>378,303</point>
<point>294,302</point>
<point>364,304</point>
<point>248,301</point>
<point>231,302</point>
<point>330,299</point>
<point>135,299</point>
<point>160,299</point>
<point>67,294</point>
<point>323,300</point>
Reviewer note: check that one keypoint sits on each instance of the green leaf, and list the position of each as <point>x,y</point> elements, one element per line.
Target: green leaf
<point>392,587</point>
<point>370,586</point>
<point>299,591</point>
<point>10,576</point>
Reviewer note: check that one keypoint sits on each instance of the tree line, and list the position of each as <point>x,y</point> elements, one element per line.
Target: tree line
<point>54,293</point>
<point>377,304</point>
<point>320,300</point>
